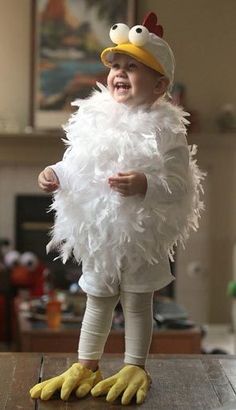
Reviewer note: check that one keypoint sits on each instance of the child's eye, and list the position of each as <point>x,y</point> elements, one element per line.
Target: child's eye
<point>132,66</point>
<point>115,66</point>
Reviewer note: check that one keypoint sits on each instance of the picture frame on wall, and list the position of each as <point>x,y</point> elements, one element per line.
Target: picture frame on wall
<point>67,39</point>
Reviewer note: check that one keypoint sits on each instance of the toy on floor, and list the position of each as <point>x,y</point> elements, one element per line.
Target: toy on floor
<point>26,272</point>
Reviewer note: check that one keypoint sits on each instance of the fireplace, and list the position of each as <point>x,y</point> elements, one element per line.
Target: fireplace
<point>32,224</point>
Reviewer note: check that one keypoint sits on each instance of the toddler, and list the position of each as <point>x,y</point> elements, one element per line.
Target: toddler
<point>126,191</point>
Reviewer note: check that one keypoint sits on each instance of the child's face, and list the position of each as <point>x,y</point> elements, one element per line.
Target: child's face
<point>132,83</point>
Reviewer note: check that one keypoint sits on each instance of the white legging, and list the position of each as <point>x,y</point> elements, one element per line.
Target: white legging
<point>137,309</point>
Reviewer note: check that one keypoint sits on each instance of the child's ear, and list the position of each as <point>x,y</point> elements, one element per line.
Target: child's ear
<point>161,85</point>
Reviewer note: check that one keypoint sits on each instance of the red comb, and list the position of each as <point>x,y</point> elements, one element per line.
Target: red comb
<point>150,21</point>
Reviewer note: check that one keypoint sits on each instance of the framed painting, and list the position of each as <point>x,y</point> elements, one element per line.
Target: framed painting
<point>67,39</point>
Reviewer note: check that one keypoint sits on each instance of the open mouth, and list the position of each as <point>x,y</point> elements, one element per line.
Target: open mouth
<point>122,86</point>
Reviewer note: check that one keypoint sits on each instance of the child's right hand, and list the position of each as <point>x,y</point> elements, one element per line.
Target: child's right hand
<point>48,180</point>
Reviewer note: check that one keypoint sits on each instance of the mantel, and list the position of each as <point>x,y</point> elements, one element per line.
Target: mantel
<point>47,147</point>
<point>31,148</point>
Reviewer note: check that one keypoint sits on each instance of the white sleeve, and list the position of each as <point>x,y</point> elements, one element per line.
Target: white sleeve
<point>169,183</point>
<point>60,171</point>
<point>58,168</point>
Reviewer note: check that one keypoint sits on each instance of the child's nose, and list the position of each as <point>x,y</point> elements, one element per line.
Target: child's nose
<point>122,73</point>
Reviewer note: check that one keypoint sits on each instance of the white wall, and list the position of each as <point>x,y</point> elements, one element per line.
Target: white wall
<point>15,52</point>
<point>202,35</point>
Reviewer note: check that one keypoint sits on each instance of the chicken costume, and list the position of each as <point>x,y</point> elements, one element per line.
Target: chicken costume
<point>123,242</point>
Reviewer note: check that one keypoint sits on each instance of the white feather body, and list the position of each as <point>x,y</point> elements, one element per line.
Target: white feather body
<point>105,138</point>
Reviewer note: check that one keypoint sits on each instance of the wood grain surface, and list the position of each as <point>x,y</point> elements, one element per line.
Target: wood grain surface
<point>180,382</point>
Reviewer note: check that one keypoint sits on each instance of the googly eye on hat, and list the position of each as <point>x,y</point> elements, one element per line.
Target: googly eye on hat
<point>145,44</point>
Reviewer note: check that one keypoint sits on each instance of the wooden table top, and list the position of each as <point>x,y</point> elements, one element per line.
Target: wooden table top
<point>184,382</point>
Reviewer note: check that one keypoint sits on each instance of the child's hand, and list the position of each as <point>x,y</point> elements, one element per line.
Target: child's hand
<point>129,183</point>
<point>48,180</point>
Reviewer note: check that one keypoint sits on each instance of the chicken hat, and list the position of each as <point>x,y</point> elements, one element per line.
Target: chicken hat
<point>145,44</point>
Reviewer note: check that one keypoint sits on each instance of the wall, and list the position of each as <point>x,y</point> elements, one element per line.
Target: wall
<point>205,267</point>
<point>15,60</point>
<point>202,35</point>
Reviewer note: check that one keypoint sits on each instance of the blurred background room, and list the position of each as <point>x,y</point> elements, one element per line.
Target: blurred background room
<point>49,55</point>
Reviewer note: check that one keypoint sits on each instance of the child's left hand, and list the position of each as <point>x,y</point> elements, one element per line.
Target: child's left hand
<point>129,183</point>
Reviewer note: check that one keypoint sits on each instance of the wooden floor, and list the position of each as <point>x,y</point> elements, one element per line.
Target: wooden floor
<point>186,382</point>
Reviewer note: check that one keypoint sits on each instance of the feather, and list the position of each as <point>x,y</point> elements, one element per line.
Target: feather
<point>103,138</point>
